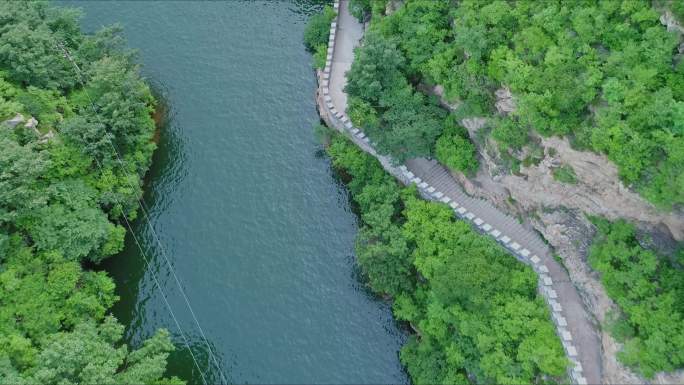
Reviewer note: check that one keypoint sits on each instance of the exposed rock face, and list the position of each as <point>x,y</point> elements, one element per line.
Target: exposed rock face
<point>559,212</point>
<point>45,138</point>
<point>474,124</point>
<point>504,101</point>
<point>438,91</point>
<point>570,233</point>
<point>667,19</point>
<point>32,123</point>
<point>11,123</point>
<point>599,191</point>
<point>392,6</point>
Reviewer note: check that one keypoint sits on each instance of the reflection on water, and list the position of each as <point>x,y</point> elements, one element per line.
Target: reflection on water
<point>249,213</point>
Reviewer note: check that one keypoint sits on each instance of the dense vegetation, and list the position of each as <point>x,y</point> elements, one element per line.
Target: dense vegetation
<point>649,290</point>
<point>63,195</point>
<point>604,73</point>
<point>475,308</point>
<point>317,33</point>
<point>403,121</point>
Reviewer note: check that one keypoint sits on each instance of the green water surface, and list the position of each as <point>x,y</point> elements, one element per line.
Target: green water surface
<point>247,208</point>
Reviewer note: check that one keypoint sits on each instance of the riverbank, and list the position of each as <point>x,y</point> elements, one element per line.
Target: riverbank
<point>250,214</point>
<point>429,262</point>
<point>572,321</point>
<point>554,186</point>
<point>76,134</point>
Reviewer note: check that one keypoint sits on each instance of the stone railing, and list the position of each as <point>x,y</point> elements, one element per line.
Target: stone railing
<point>340,121</point>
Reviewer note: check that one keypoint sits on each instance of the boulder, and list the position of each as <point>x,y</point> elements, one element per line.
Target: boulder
<point>670,22</point>
<point>45,138</point>
<point>473,125</point>
<point>32,123</point>
<point>504,101</point>
<point>11,123</point>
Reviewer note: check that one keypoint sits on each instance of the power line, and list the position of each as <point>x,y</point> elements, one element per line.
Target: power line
<point>156,281</point>
<point>156,237</point>
<point>144,209</point>
<point>130,228</point>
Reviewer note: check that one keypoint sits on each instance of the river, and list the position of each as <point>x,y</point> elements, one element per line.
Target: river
<point>247,208</point>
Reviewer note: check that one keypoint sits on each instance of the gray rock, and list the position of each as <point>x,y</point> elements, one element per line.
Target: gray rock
<point>668,20</point>
<point>32,123</point>
<point>11,123</point>
<point>45,138</point>
<point>504,101</point>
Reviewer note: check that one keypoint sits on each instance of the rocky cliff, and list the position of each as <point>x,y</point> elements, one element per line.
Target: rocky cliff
<point>559,211</point>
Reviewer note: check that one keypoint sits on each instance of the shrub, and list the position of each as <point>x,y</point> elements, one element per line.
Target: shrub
<point>648,289</point>
<point>565,174</point>
<point>454,149</point>
<point>317,29</point>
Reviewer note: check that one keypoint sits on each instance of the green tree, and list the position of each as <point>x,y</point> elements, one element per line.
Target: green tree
<point>21,170</point>
<point>28,44</point>
<point>317,33</point>
<point>509,134</point>
<point>60,197</point>
<point>603,73</point>
<point>317,29</point>
<point>377,69</point>
<point>648,289</point>
<point>476,308</point>
<point>89,355</point>
<point>71,223</point>
<point>454,149</point>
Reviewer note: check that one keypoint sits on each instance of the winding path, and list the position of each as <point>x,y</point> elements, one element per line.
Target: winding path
<point>573,324</point>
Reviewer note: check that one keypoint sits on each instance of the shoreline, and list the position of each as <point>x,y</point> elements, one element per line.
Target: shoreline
<point>569,316</point>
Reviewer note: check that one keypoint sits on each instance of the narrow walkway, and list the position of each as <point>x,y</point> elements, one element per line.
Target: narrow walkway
<point>573,325</point>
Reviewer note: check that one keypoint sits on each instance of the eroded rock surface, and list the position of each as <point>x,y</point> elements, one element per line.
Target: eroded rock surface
<point>668,20</point>
<point>505,103</point>
<point>11,123</point>
<point>559,212</point>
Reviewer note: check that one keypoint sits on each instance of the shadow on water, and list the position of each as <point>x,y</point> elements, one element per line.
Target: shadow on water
<point>129,268</point>
<point>246,207</point>
<point>179,359</point>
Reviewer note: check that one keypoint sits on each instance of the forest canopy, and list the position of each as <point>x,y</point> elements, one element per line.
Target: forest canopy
<point>476,311</point>
<point>64,193</point>
<point>606,74</point>
<point>649,290</point>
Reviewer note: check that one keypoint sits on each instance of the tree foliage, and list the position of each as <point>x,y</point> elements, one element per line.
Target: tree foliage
<point>605,74</point>
<point>565,174</point>
<point>364,8</point>
<point>476,308</point>
<point>405,123</point>
<point>454,149</point>
<point>63,195</point>
<point>29,37</point>
<point>602,72</point>
<point>317,33</point>
<point>381,247</point>
<point>649,290</point>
